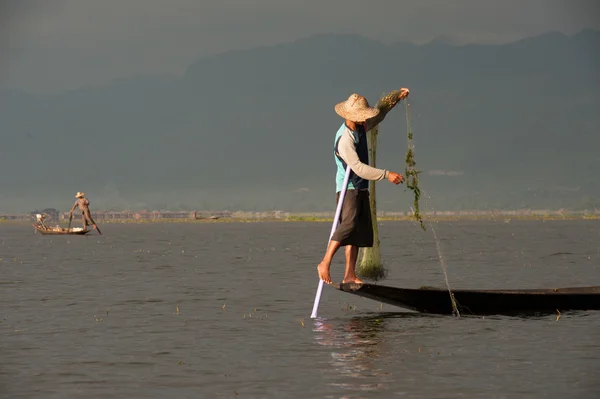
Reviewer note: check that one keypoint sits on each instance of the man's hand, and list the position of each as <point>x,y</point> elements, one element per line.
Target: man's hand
<point>404,92</point>
<point>395,178</point>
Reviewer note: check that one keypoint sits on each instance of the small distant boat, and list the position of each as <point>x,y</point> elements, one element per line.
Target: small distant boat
<point>214,217</point>
<point>61,231</point>
<point>480,302</point>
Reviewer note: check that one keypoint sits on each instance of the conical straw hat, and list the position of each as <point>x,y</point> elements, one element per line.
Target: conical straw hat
<point>356,109</point>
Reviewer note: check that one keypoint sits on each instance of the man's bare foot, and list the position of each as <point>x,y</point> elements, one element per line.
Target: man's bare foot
<point>323,270</point>
<point>354,280</point>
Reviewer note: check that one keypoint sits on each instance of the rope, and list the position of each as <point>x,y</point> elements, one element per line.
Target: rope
<point>412,183</point>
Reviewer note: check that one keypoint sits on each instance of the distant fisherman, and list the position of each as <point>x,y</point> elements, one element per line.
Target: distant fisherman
<point>86,216</point>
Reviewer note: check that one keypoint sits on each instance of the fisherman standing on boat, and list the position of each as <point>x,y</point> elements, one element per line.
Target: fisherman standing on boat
<point>86,216</point>
<point>350,148</point>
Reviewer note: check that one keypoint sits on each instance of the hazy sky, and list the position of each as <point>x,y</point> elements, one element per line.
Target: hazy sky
<point>55,45</point>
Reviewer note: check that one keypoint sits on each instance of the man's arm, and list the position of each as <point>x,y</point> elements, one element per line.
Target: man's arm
<point>348,153</point>
<point>74,205</point>
<point>385,105</point>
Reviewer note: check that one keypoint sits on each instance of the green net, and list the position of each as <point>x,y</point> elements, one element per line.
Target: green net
<point>369,266</point>
<point>411,173</point>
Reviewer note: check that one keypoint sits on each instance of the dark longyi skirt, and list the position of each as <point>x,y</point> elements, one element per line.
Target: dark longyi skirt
<point>355,226</point>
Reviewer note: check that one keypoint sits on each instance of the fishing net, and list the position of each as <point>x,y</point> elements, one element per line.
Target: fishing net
<point>411,173</point>
<point>369,265</point>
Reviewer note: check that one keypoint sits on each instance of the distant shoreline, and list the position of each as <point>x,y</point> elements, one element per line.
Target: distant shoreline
<point>320,219</point>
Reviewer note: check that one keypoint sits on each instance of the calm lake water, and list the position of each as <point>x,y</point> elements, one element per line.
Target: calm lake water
<point>222,310</point>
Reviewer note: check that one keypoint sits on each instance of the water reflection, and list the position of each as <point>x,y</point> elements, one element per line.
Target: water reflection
<point>356,351</point>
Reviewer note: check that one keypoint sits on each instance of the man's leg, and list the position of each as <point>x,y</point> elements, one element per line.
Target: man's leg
<point>323,267</point>
<point>363,236</point>
<point>92,222</point>
<point>342,233</point>
<point>351,257</point>
<point>89,220</point>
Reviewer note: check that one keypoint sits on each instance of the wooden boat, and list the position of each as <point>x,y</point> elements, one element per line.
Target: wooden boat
<point>480,302</point>
<point>61,231</point>
<point>207,218</point>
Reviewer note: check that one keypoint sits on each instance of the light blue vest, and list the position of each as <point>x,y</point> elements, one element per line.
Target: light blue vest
<point>360,144</point>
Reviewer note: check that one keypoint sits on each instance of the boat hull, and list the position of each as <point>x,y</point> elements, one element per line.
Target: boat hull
<point>59,233</point>
<point>481,302</point>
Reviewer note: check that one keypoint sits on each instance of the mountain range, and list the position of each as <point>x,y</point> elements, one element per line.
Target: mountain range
<point>495,126</point>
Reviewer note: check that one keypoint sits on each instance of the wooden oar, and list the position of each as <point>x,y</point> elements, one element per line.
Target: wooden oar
<point>336,220</point>
<point>70,218</point>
